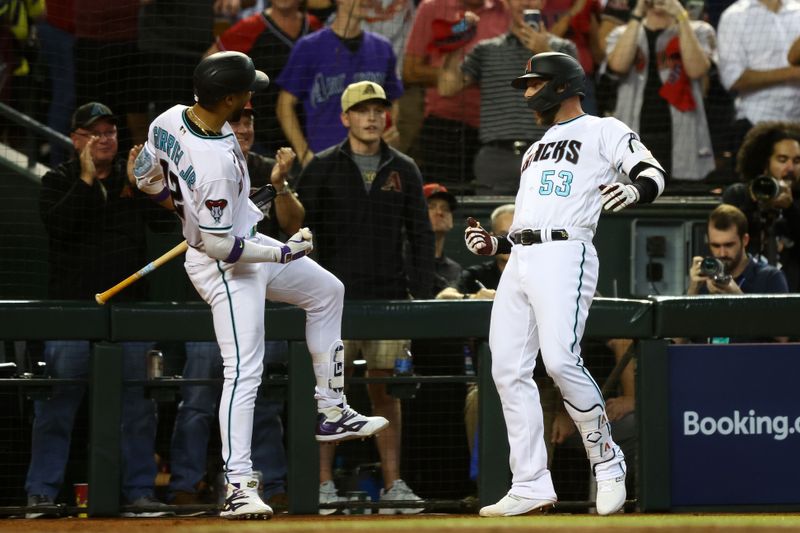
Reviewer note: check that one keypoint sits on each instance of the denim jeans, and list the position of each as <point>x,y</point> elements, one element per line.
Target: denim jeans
<point>57,52</point>
<point>197,411</point>
<point>54,418</point>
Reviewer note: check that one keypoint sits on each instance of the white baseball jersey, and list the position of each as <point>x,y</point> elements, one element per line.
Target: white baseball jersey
<point>546,289</point>
<point>562,172</point>
<point>207,177</point>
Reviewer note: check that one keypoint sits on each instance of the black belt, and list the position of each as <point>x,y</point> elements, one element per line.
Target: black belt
<point>527,237</point>
<point>512,145</point>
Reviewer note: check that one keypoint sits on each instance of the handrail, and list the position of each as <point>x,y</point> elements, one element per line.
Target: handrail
<point>37,127</point>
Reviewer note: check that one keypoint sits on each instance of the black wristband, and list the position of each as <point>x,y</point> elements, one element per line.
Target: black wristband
<point>637,18</point>
<point>503,246</point>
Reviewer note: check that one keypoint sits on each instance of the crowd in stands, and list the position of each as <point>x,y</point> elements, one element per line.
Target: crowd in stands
<point>713,92</point>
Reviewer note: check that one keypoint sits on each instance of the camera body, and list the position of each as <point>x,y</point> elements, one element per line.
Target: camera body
<point>714,268</point>
<point>764,188</point>
<point>533,18</point>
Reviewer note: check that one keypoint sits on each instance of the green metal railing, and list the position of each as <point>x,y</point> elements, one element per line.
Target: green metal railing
<point>648,321</point>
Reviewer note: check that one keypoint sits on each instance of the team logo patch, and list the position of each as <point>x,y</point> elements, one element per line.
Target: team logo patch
<point>216,207</point>
<point>393,183</point>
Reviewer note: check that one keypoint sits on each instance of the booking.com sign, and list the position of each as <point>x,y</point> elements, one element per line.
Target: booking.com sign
<point>735,424</point>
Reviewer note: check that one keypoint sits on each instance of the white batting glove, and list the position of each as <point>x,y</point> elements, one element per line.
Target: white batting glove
<point>299,245</point>
<point>478,240</point>
<point>618,196</point>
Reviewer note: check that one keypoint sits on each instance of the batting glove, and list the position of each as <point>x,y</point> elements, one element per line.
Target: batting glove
<point>618,196</point>
<point>478,240</point>
<point>299,245</point>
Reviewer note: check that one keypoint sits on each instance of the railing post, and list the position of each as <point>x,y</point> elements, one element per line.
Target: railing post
<point>493,470</point>
<point>303,456</point>
<point>105,395</point>
<point>652,420</point>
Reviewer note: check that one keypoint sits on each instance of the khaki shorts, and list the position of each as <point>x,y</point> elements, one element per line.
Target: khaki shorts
<point>379,354</point>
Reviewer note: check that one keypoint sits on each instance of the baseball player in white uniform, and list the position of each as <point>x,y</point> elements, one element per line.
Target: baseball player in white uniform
<point>193,164</point>
<point>543,299</point>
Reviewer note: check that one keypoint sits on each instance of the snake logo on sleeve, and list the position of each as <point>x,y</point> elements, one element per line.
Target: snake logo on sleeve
<point>216,207</point>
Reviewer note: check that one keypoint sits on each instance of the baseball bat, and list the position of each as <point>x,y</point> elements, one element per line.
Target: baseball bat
<point>103,297</point>
<point>260,197</point>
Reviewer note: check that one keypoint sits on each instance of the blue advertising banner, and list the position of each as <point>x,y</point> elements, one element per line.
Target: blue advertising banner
<point>735,424</point>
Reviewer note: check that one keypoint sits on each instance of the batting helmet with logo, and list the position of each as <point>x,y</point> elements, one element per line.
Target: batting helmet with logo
<point>224,73</point>
<point>564,74</point>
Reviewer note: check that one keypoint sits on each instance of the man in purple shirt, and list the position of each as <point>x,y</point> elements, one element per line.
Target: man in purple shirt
<point>320,66</point>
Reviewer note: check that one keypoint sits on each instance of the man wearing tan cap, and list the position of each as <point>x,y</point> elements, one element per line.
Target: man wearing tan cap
<point>363,201</point>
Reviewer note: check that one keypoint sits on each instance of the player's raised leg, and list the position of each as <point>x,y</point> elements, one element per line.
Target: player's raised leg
<point>321,295</point>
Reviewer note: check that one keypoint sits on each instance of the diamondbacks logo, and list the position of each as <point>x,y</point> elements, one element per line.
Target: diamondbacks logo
<point>216,207</point>
<point>393,183</point>
<point>368,89</point>
<point>529,66</point>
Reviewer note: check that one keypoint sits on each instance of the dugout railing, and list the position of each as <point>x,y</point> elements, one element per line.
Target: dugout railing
<point>648,321</point>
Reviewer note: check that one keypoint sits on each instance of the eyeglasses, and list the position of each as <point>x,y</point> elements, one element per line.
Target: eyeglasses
<point>111,134</point>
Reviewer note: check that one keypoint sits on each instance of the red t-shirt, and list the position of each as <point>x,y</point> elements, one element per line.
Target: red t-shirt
<point>495,20</point>
<point>115,20</point>
<point>61,14</point>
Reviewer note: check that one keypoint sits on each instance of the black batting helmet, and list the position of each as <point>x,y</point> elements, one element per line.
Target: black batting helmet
<point>224,73</point>
<point>562,71</point>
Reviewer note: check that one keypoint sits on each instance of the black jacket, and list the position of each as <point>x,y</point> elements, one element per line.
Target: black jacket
<point>97,233</point>
<point>359,235</point>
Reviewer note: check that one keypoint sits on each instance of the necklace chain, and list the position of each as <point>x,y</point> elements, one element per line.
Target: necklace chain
<point>201,123</point>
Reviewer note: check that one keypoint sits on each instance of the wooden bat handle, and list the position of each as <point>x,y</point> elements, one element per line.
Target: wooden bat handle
<point>103,297</point>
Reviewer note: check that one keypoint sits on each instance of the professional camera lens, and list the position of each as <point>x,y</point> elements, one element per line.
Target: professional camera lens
<point>711,266</point>
<point>765,188</point>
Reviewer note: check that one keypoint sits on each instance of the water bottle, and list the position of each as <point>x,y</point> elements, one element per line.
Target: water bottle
<point>403,364</point>
<point>155,364</point>
<point>469,362</point>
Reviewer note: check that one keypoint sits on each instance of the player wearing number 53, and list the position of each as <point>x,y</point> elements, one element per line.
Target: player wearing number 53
<point>580,164</point>
<point>193,162</point>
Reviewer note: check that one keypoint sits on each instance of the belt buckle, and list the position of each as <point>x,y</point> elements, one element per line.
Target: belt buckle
<point>519,147</point>
<point>525,237</point>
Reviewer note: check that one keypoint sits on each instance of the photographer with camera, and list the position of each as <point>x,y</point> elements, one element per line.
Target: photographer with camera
<point>730,269</point>
<point>769,166</point>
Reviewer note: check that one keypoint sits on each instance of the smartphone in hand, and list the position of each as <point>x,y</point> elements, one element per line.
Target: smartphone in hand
<point>533,17</point>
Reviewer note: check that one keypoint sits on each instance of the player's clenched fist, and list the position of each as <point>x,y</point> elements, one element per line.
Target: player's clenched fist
<point>299,245</point>
<point>618,196</point>
<point>478,239</point>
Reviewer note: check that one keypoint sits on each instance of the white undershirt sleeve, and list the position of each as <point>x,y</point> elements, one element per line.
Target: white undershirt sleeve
<point>221,247</point>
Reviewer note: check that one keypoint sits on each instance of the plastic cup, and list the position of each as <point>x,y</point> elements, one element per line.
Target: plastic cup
<point>81,497</point>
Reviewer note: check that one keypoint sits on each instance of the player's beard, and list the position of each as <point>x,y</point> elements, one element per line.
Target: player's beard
<point>547,117</point>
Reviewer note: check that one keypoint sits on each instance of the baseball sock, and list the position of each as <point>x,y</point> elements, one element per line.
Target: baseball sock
<point>329,373</point>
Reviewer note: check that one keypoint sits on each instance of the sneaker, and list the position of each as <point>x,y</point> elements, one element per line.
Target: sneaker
<point>47,505</point>
<point>243,503</point>
<point>328,494</point>
<point>611,495</point>
<point>152,508</point>
<point>399,491</point>
<point>340,423</point>
<point>513,505</point>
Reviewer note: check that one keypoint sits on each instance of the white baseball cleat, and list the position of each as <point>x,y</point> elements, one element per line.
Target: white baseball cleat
<point>513,505</point>
<point>341,422</point>
<point>610,495</point>
<point>243,503</point>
